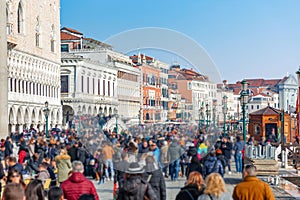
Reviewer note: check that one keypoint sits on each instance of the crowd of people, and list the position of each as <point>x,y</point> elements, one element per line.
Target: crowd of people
<point>137,161</point>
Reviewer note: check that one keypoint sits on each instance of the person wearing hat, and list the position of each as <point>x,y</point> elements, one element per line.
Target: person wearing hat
<point>135,187</point>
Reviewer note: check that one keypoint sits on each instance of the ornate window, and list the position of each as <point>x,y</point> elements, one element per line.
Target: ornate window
<point>37,32</point>
<point>52,37</point>
<point>20,18</point>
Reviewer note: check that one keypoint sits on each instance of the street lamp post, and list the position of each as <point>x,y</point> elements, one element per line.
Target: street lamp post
<point>244,100</point>
<point>214,117</point>
<point>298,99</point>
<point>224,109</point>
<point>46,111</point>
<point>207,116</point>
<point>117,123</point>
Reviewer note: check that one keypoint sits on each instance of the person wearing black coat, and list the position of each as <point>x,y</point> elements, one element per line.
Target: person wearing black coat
<point>8,147</point>
<point>153,175</point>
<point>195,165</point>
<point>73,152</point>
<point>227,152</point>
<point>82,153</point>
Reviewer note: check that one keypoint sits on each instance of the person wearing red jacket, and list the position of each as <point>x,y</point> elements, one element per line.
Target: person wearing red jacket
<point>77,184</point>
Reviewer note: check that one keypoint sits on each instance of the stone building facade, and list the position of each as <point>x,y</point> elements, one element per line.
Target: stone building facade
<point>33,63</point>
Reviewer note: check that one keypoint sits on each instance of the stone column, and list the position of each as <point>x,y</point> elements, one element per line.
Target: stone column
<point>3,72</point>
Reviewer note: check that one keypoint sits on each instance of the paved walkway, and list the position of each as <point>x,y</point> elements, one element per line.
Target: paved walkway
<point>105,191</point>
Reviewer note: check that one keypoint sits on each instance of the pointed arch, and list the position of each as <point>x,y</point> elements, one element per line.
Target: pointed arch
<point>89,110</point>
<point>20,17</point>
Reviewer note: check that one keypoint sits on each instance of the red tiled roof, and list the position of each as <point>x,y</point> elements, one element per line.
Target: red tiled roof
<point>66,36</point>
<point>71,30</point>
<point>267,111</point>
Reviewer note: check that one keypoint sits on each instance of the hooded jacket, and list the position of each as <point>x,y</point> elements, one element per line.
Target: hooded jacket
<point>213,165</point>
<point>174,151</point>
<point>77,185</point>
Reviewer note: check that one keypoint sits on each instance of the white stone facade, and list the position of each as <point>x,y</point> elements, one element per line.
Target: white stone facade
<point>203,92</point>
<point>33,63</point>
<point>88,87</point>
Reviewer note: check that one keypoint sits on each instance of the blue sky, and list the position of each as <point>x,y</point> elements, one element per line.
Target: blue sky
<point>245,39</point>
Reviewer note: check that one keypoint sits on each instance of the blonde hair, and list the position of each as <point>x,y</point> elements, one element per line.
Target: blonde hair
<point>215,185</point>
<point>195,178</point>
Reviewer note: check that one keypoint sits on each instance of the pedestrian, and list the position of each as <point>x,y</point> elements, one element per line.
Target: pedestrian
<point>108,153</point>
<point>43,174</point>
<point>193,166</point>
<point>12,162</point>
<point>215,188</point>
<point>155,178</point>
<point>13,191</point>
<point>227,152</point>
<point>135,187</point>
<point>35,190</point>
<point>252,187</point>
<point>164,158</point>
<point>55,193</point>
<point>174,153</point>
<point>212,165</point>
<point>73,152</point>
<point>221,158</point>
<point>77,184</point>
<point>8,147</point>
<point>238,156</point>
<point>193,188</point>
<point>15,176</point>
<point>121,167</point>
<point>63,163</point>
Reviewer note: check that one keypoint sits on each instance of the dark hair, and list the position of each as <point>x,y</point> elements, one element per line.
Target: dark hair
<point>11,172</point>
<point>55,193</point>
<point>44,164</point>
<point>12,159</point>
<point>238,138</point>
<point>35,190</point>
<point>87,197</point>
<point>13,191</point>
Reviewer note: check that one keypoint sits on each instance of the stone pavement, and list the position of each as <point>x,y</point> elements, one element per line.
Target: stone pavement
<point>105,191</point>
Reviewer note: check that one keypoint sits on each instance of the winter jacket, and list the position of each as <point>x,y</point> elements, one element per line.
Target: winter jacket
<point>252,188</point>
<point>156,154</point>
<point>189,192</point>
<point>43,175</point>
<point>63,163</point>
<point>238,147</point>
<point>135,188</point>
<point>223,160</point>
<point>174,151</point>
<point>8,148</point>
<point>212,165</point>
<point>18,167</point>
<point>224,196</point>
<point>121,167</point>
<point>73,153</point>
<point>82,154</point>
<point>164,154</point>
<point>76,185</point>
<point>226,151</point>
<point>157,182</point>
<point>195,165</point>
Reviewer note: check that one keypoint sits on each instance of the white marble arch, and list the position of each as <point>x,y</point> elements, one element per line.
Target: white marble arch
<point>89,110</point>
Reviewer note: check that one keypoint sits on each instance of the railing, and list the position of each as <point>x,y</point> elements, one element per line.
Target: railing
<point>260,152</point>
